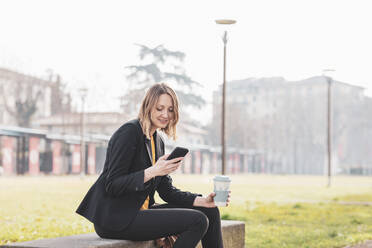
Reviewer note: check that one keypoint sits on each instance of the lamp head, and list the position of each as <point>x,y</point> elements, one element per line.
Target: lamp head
<point>225,21</point>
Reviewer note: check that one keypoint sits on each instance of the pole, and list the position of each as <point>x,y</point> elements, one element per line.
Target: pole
<point>329,141</point>
<point>223,137</point>
<point>82,144</point>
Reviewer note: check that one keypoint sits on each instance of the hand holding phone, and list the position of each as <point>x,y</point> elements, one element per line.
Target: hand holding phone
<point>178,152</point>
<point>171,163</point>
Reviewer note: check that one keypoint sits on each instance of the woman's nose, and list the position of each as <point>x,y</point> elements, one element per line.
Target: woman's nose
<point>164,113</point>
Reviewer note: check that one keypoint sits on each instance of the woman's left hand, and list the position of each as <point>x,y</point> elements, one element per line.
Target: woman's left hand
<point>209,200</point>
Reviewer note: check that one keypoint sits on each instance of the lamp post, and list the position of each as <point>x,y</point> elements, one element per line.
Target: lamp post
<point>83,93</point>
<point>223,137</point>
<point>329,123</point>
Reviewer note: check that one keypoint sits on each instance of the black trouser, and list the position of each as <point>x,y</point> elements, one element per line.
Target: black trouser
<point>192,225</point>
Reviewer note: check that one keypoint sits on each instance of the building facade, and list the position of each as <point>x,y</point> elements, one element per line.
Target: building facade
<point>25,98</point>
<point>287,121</point>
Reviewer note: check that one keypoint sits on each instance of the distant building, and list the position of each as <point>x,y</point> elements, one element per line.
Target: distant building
<point>104,123</point>
<point>17,87</point>
<point>286,120</point>
<point>202,158</point>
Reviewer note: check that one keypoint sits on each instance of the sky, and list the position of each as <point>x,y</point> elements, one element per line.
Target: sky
<point>90,42</point>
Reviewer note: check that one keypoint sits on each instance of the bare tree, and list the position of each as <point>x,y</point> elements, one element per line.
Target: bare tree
<point>22,95</point>
<point>20,101</point>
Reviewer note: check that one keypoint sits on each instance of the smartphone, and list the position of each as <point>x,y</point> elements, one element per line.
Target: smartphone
<point>178,152</point>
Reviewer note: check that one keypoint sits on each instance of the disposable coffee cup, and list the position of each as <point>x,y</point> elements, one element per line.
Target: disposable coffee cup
<point>221,188</point>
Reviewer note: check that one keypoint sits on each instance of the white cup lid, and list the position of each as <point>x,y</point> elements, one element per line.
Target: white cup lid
<point>221,178</point>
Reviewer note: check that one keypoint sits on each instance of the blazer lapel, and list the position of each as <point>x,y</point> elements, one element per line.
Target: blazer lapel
<point>159,151</point>
<point>148,149</point>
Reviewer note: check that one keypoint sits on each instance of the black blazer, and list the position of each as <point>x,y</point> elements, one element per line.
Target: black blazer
<point>119,192</point>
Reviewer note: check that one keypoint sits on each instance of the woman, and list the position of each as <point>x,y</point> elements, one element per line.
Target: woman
<point>121,201</point>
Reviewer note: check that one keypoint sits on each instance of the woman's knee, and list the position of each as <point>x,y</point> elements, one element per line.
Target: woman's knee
<point>201,221</point>
<point>212,213</point>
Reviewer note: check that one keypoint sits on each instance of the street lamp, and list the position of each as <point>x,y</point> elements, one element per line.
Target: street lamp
<point>83,93</point>
<point>223,138</point>
<point>329,123</point>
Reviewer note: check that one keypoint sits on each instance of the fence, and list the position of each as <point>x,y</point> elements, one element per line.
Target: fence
<point>33,152</point>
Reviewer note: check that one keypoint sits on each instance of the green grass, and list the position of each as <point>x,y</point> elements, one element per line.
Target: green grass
<point>279,211</point>
<point>303,224</point>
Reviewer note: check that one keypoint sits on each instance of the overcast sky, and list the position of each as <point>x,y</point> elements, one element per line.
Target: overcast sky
<point>90,42</point>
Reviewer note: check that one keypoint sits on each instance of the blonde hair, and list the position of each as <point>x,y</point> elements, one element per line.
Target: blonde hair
<point>149,101</point>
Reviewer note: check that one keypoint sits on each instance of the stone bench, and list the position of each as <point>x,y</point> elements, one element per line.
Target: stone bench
<point>233,233</point>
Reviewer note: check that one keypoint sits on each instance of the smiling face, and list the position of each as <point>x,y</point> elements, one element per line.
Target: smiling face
<point>162,112</point>
<point>159,110</point>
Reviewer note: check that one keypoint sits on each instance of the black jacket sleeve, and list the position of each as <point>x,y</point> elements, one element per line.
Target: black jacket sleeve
<point>121,157</point>
<point>171,194</point>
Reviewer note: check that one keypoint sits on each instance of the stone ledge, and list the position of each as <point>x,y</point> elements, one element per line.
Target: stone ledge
<point>233,233</point>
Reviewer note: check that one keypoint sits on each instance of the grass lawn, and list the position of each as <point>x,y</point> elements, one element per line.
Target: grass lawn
<point>279,211</point>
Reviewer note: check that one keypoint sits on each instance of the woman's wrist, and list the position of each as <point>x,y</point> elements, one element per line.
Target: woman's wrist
<point>199,201</point>
<point>149,173</point>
